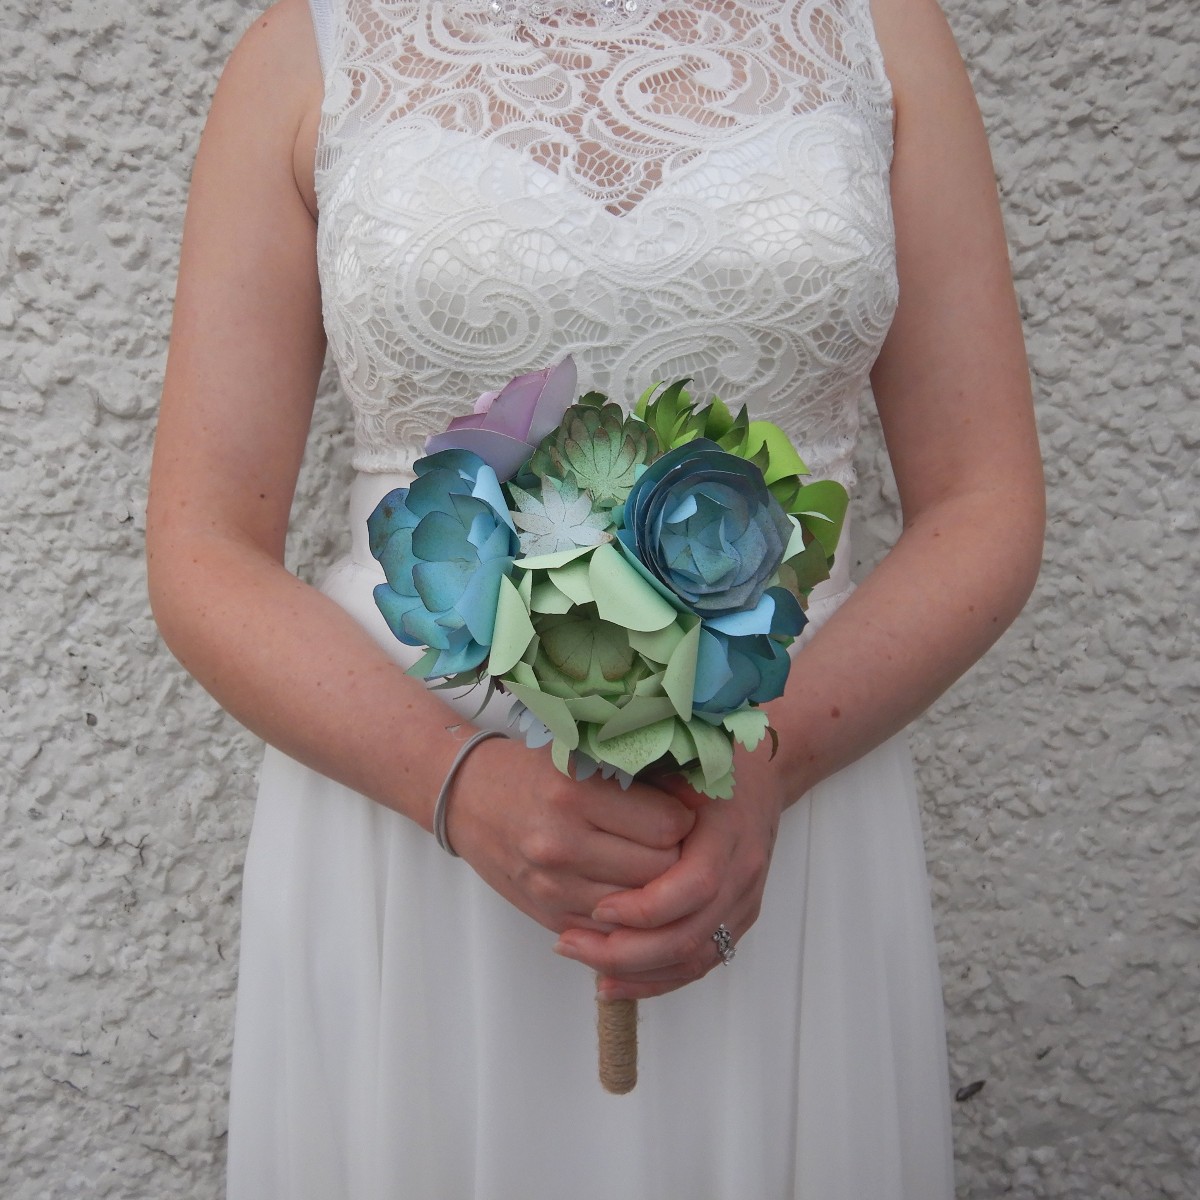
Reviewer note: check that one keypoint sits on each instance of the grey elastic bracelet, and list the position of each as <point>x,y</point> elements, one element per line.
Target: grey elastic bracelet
<point>442,802</point>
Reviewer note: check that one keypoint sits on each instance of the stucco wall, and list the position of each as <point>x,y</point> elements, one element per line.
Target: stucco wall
<point>1058,782</point>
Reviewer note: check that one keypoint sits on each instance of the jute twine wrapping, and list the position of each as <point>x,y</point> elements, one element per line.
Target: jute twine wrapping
<point>616,1022</point>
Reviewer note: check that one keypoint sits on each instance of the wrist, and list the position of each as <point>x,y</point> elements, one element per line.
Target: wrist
<point>451,784</point>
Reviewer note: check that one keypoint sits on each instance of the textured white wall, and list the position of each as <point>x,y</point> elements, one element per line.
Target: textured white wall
<point>1057,777</point>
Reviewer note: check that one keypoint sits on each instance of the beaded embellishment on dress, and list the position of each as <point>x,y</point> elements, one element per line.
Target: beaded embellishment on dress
<point>521,12</point>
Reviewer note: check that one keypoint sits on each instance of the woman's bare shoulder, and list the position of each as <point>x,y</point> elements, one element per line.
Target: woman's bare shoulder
<point>273,80</point>
<point>919,50</point>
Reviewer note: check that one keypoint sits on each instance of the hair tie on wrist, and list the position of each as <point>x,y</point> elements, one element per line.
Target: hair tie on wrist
<point>443,799</point>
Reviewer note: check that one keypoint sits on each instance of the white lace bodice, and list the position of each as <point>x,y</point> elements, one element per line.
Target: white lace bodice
<point>700,189</point>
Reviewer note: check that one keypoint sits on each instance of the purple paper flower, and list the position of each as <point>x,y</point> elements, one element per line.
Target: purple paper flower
<point>507,425</point>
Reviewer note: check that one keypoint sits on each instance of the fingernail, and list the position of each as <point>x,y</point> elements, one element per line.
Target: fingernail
<point>606,916</point>
<point>566,950</point>
<point>609,993</point>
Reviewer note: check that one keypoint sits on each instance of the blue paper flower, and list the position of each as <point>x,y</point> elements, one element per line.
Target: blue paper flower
<point>444,545</point>
<point>703,523</point>
<point>741,659</point>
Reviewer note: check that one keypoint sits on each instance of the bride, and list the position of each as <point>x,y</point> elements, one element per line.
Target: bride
<point>780,199</point>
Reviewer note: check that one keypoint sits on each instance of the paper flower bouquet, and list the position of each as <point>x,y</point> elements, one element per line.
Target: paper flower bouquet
<point>633,582</point>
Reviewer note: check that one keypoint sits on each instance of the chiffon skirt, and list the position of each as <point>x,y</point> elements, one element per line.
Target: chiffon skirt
<point>404,1034</point>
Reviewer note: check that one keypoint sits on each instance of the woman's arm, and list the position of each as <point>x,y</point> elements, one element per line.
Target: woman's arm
<point>246,351</point>
<point>952,388</point>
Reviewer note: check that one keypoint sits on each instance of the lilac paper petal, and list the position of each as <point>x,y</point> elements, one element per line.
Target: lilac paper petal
<point>475,421</point>
<point>483,403</point>
<point>557,396</point>
<point>504,454</point>
<point>512,412</point>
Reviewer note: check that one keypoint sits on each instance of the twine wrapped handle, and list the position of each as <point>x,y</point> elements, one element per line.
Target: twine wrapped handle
<point>616,1024</point>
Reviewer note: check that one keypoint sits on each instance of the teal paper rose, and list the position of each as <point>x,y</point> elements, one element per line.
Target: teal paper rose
<point>703,523</point>
<point>743,659</point>
<point>444,544</point>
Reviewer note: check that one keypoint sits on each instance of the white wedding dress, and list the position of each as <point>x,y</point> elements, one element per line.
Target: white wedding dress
<point>692,189</point>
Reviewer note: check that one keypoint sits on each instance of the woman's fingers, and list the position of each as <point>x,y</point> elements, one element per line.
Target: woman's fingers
<point>645,815</point>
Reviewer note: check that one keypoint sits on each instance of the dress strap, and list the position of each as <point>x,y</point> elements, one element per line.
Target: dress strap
<point>322,17</point>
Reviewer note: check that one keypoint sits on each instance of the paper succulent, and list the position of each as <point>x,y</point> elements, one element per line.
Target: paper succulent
<point>557,517</point>
<point>445,545</point>
<point>704,524</point>
<point>507,425</point>
<point>599,449</point>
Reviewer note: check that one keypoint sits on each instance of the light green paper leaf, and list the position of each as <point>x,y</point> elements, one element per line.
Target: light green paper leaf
<point>548,562</point>
<point>658,645</point>
<point>593,709</point>
<point>546,598</point>
<point>636,750</point>
<point>574,580</point>
<point>560,754</point>
<point>421,668</point>
<point>553,712</point>
<point>513,630</point>
<point>714,748</point>
<point>679,680</point>
<point>720,789</point>
<point>522,673</point>
<point>637,713</point>
<point>622,596</point>
<point>683,745</point>
<point>748,726</point>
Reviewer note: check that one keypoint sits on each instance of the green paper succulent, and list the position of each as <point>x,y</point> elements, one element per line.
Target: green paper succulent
<point>557,517</point>
<point>597,448</point>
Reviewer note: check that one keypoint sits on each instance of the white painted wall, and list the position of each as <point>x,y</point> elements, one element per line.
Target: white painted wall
<point>1058,781</point>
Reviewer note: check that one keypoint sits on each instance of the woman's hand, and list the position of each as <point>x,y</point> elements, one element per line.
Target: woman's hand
<point>664,931</point>
<point>554,847</point>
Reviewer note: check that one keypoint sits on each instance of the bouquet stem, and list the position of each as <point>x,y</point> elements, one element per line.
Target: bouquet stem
<point>616,1023</point>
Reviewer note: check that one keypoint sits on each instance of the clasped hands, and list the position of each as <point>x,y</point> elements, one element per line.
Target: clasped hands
<point>635,882</point>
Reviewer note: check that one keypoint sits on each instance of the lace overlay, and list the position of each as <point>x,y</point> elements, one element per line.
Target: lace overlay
<point>700,190</point>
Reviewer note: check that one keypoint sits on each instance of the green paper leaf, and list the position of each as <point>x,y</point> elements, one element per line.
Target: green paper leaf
<point>719,789</point>
<point>782,457</point>
<point>513,630</point>
<point>548,562</point>
<point>522,673</point>
<point>659,644</point>
<point>560,754</point>
<point>718,420</point>
<point>636,750</point>
<point>683,745</point>
<point>679,680</point>
<point>748,726</point>
<point>622,596</point>
<point>825,499</point>
<point>810,567</point>
<point>637,713</point>
<point>421,668</point>
<point>546,598</point>
<point>593,709</point>
<point>553,712</point>
<point>714,748</point>
<point>574,580</point>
